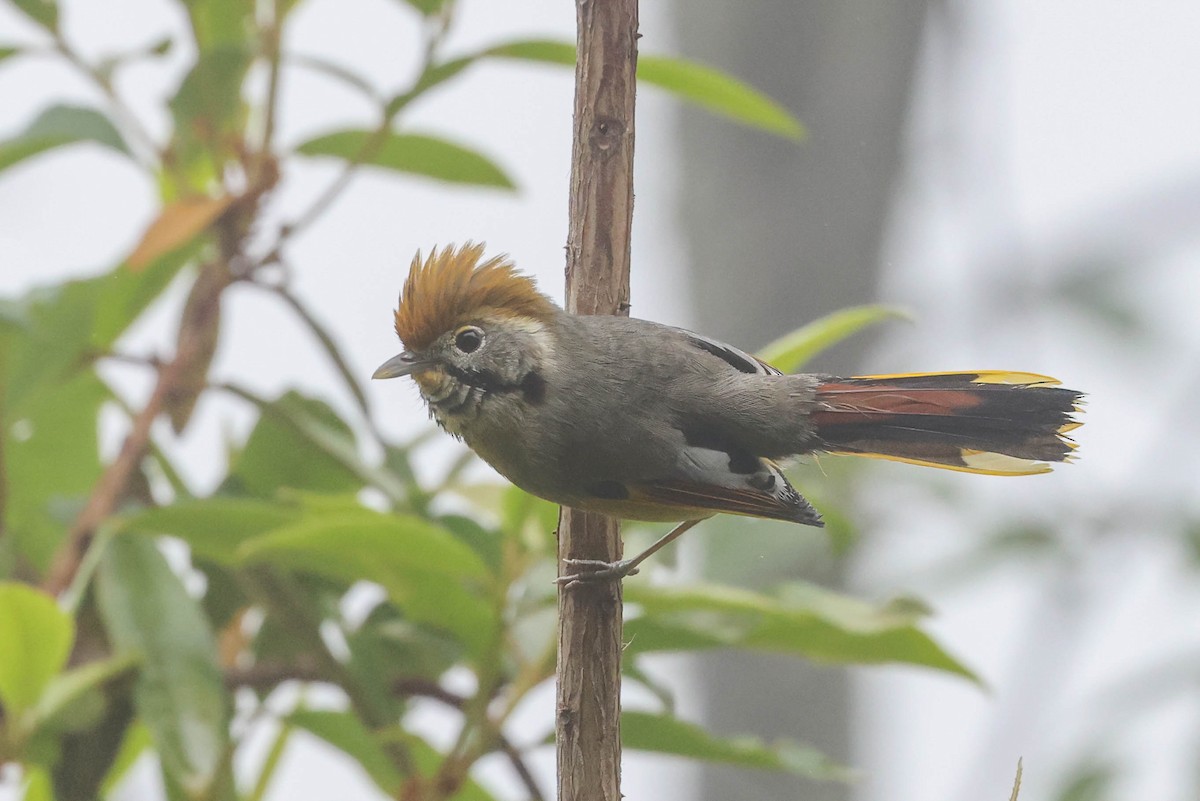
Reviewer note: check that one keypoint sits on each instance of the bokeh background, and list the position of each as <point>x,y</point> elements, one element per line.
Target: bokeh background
<point>1022,177</point>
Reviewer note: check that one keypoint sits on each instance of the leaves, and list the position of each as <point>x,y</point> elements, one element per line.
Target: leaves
<point>208,111</point>
<point>696,83</point>
<point>301,443</point>
<point>58,126</point>
<point>48,413</point>
<point>177,224</point>
<point>43,12</point>
<point>69,687</point>
<point>53,459</point>
<point>415,154</point>
<point>664,734</point>
<point>427,7</point>
<point>719,93</point>
<point>220,23</point>
<point>214,528</point>
<point>346,732</point>
<point>804,620</point>
<point>35,639</point>
<point>426,571</point>
<point>180,693</point>
<point>792,351</point>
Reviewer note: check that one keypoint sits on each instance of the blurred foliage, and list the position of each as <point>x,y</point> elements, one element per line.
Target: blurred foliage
<point>170,607</point>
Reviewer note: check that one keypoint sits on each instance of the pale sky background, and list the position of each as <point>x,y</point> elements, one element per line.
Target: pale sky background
<point>1034,135</point>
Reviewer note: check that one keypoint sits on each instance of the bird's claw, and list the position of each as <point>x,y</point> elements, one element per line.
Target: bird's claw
<point>591,571</point>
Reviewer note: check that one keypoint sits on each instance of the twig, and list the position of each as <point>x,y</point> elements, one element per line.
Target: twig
<point>194,341</point>
<point>587,726</point>
<point>379,135</point>
<point>331,350</point>
<point>430,689</point>
<point>1016,791</point>
<point>123,113</point>
<point>271,34</point>
<point>266,677</point>
<point>111,485</point>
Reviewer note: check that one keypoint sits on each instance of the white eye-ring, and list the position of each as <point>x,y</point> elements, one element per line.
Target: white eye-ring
<point>468,339</point>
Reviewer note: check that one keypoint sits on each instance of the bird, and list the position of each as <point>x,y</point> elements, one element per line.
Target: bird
<point>643,421</point>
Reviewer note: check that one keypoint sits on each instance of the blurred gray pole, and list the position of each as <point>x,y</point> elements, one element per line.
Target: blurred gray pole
<point>779,234</point>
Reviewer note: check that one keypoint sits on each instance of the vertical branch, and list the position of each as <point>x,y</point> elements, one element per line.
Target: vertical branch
<point>587,730</point>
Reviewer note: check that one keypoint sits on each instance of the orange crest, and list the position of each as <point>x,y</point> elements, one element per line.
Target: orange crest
<point>452,288</point>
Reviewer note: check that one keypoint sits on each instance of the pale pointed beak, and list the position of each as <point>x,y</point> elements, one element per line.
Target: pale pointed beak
<point>402,364</point>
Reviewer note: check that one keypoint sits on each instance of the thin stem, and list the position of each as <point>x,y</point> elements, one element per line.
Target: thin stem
<point>433,690</point>
<point>330,348</point>
<point>391,110</point>
<point>151,153</point>
<point>178,485</point>
<point>112,483</point>
<point>272,34</point>
<point>286,603</point>
<point>271,763</point>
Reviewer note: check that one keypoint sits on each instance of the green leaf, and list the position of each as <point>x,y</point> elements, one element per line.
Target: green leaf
<point>427,7</point>
<point>696,83</point>
<point>426,571</point>
<point>347,733</point>
<point>8,52</point>
<point>37,785</point>
<point>434,76</point>
<point>65,324</point>
<point>544,51</point>
<point>35,639</point>
<point>208,110</point>
<point>410,153</point>
<point>337,72</point>
<point>48,413</point>
<point>58,126</point>
<point>299,443</point>
<point>180,694</point>
<point>43,12</point>
<point>221,23</point>
<point>52,458</point>
<point>68,688</point>
<point>663,734</point>
<point>215,527</point>
<point>1091,781</point>
<point>721,94</point>
<point>805,621</point>
<point>135,742</point>
<point>792,351</point>
<point>386,647</point>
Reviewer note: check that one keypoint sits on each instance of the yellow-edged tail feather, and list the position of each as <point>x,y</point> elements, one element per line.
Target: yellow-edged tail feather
<point>991,422</point>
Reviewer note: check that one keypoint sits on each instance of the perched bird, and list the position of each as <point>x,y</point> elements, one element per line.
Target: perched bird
<point>643,421</point>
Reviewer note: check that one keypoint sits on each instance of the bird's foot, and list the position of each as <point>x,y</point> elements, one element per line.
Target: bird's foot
<point>591,571</point>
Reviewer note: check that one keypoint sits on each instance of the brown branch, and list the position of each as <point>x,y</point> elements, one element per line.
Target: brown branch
<point>588,729</point>
<point>109,488</point>
<point>431,689</point>
<point>194,342</point>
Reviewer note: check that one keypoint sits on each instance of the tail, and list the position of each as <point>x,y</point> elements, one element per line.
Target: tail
<point>992,422</point>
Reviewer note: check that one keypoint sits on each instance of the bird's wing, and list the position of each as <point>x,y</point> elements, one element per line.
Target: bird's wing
<point>708,482</point>
<point>736,357</point>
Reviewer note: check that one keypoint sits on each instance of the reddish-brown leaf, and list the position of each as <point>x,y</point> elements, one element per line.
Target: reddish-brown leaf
<point>178,223</point>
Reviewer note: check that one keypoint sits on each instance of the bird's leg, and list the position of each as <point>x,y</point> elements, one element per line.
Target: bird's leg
<point>599,570</point>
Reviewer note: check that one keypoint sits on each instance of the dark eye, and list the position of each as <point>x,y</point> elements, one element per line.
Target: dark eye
<point>468,339</point>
